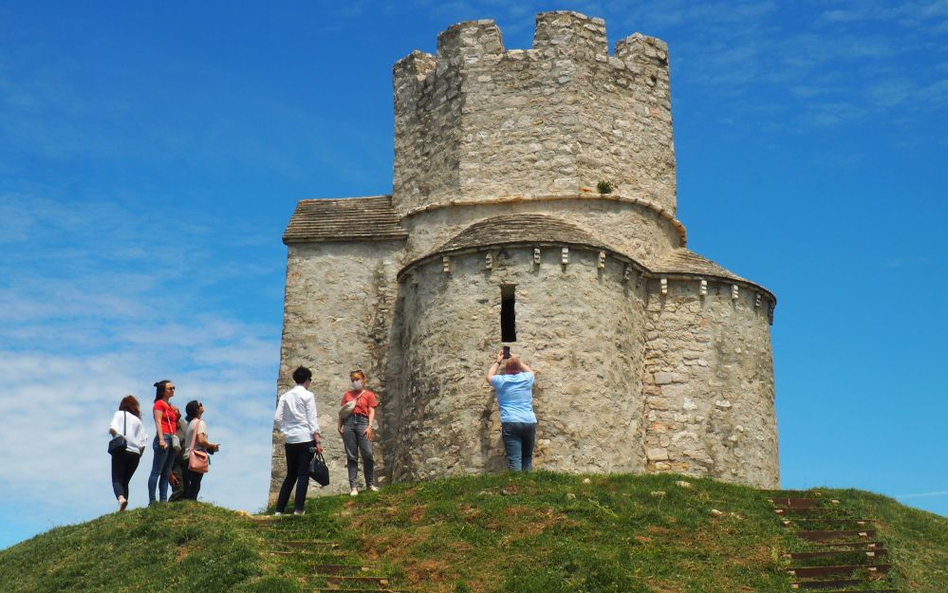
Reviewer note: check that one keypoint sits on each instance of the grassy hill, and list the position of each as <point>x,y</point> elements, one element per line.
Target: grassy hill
<point>512,533</point>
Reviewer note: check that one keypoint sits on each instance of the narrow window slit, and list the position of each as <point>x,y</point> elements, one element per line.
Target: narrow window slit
<point>508,316</point>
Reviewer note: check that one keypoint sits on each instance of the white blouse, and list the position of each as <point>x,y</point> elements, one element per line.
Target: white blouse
<point>128,424</point>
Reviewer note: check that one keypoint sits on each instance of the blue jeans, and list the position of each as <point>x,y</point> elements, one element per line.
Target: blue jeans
<point>160,469</point>
<point>355,442</point>
<point>519,438</point>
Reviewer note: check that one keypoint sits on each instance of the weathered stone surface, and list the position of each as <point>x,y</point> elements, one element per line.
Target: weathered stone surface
<point>722,414</point>
<point>649,357</point>
<point>476,121</point>
<point>338,312</point>
<point>451,329</point>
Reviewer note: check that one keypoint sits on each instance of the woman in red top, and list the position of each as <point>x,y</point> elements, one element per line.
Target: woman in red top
<point>356,431</point>
<point>165,422</point>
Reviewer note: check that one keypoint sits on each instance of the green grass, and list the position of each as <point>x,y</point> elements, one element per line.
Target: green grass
<point>499,533</point>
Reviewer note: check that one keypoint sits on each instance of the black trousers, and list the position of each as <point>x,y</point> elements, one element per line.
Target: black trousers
<point>298,456</point>
<point>192,483</point>
<point>124,464</point>
<point>177,470</point>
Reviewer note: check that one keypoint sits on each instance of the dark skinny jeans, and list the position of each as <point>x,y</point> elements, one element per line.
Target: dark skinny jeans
<point>298,456</point>
<point>124,464</point>
<point>192,483</point>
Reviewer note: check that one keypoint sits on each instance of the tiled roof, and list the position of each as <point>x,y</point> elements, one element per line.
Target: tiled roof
<point>346,219</point>
<point>684,261</point>
<point>519,228</point>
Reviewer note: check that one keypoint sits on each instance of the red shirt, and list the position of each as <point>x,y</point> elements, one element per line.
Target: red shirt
<point>168,419</point>
<point>367,401</point>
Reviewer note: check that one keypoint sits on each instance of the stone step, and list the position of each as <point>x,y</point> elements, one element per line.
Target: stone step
<point>305,544</point>
<point>337,581</point>
<point>860,545</point>
<point>824,536</point>
<point>857,591</point>
<point>801,503</point>
<point>827,584</point>
<point>309,554</point>
<point>803,572</point>
<point>806,512</point>
<point>335,590</point>
<point>826,521</point>
<point>868,553</point>
<point>341,569</point>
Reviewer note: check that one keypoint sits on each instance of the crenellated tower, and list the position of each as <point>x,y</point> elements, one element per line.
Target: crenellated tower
<point>477,121</point>
<point>649,357</point>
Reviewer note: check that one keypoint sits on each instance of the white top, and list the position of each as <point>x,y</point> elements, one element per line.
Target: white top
<point>128,425</point>
<point>201,429</point>
<point>296,415</point>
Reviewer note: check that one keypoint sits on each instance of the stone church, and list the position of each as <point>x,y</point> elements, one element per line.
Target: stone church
<point>533,204</point>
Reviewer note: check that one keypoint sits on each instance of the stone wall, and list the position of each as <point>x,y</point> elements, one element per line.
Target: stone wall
<point>636,370</point>
<point>709,384</point>
<point>634,230</point>
<point>580,328</point>
<point>476,121</point>
<point>338,312</point>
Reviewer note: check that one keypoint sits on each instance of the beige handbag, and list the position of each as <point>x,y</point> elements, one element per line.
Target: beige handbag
<point>346,410</point>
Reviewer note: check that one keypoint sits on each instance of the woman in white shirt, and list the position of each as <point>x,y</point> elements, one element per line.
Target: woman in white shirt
<point>193,413</point>
<point>127,422</point>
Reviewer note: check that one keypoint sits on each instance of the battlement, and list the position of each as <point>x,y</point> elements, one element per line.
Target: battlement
<point>478,121</point>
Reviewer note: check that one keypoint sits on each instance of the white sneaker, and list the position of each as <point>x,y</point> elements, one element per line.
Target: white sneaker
<point>374,488</point>
<point>299,512</point>
<point>123,502</point>
<point>277,514</point>
<point>354,492</point>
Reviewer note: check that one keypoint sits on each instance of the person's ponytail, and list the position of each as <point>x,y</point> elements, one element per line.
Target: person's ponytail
<point>160,389</point>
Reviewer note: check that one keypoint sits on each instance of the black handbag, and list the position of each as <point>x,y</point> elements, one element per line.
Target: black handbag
<point>119,444</point>
<point>318,470</point>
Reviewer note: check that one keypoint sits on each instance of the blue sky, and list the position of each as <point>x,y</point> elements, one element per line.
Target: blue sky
<point>151,156</point>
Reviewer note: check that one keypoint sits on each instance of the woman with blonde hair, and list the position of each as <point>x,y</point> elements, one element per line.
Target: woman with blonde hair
<point>127,423</point>
<point>356,431</point>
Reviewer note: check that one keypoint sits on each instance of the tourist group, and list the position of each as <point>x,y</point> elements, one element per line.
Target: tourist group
<point>181,449</point>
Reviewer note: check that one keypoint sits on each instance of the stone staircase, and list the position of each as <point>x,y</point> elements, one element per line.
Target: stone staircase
<point>838,553</point>
<point>296,549</point>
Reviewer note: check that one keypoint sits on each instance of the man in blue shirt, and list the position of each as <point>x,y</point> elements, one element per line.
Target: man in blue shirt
<point>518,423</point>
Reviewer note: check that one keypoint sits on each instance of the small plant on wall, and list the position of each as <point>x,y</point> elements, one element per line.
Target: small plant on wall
<point>604,187</point>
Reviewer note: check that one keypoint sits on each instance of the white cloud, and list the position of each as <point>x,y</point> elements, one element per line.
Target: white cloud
<point>923,494</point>
<point>89,313</point>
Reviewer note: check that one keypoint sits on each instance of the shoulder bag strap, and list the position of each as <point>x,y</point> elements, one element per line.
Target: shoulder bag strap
<point>194,434</point>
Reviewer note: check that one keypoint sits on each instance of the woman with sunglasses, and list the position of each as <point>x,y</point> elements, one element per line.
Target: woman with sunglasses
<point>197,430</point>
<point>165,421</point>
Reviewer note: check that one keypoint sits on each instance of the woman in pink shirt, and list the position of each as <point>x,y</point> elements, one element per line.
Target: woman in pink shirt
<point>356,431</point>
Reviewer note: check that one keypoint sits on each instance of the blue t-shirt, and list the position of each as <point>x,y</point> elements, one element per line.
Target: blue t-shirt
<point>515,397</point>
